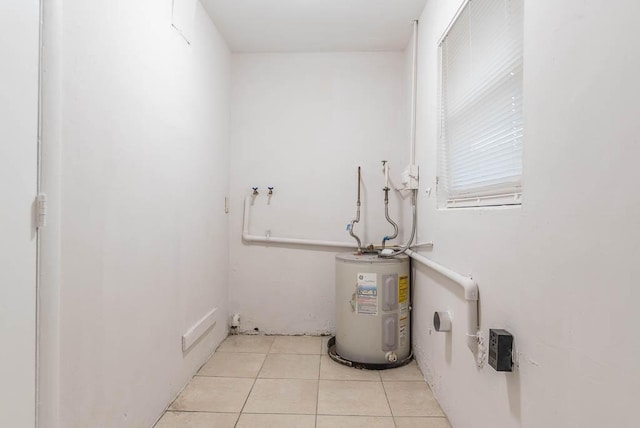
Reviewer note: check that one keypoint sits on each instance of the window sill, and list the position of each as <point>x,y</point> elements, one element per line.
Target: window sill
<point>511,199</point>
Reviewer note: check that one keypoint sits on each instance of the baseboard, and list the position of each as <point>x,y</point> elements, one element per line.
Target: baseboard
<point>198,329</point>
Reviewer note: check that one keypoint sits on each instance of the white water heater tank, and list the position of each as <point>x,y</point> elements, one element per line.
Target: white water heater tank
<point>372,309</point>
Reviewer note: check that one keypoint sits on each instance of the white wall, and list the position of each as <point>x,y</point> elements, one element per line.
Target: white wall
<point>19,21</point>
<point>558,272</point>
<point>303,123</point>
<point>143,234</point>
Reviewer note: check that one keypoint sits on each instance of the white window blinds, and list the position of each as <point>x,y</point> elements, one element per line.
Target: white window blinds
<point>481,105</point>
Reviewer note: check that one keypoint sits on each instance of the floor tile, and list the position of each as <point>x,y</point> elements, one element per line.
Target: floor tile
<point>248,420</point>
<point>247,343</point>
<point>290,366</point>
<point>233,364</point>
<point>297,345</point>
<point>405,422</point>
<point>297,396</point>
<point>325,421</point>
<point>287,392</point>
<point>356,398</point>
<point>197,420</point>
<point>325,348</point>
<point>411,399</point>
<point>213,394</point>
<point>408,372</point>
<point>330,370</point>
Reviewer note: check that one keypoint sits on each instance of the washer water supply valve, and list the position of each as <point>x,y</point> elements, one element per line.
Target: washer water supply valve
<point>255,191</point>
<point>500,350</point>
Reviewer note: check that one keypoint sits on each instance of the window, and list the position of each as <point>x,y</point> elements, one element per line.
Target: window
<point>481,129</point>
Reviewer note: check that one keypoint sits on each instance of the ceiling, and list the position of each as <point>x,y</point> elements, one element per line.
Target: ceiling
<point>314,25</point>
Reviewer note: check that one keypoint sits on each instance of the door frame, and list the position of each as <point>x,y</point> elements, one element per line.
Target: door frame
<point>49,183</point>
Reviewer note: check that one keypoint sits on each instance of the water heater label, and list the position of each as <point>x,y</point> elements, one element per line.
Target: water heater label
<point>403,289</point>
<point>367,294</point>
<point>403,300</point>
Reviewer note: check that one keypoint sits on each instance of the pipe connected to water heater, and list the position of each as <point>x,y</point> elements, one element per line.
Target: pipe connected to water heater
<point>412,146</point>
<point>386,214</point>
<point>357,219</point>
<point>386,205</point>
<point>405,247</point>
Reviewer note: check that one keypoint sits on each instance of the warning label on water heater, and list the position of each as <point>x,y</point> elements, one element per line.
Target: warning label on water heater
<point>367,294</point>
<point>403,300</point>
<point>403,289</point>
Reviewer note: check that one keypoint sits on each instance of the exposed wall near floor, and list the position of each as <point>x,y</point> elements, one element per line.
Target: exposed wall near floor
<point>560,271</point>
<point>303,123</point>
<point>144,162</point>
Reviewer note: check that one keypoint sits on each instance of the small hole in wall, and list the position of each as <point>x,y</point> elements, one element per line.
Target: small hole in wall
<point>256,329</point>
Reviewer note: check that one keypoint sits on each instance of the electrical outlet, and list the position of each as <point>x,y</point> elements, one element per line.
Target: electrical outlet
<point>501,350</point>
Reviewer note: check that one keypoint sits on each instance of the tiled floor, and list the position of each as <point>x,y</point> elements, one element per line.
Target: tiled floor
<point>289,381</point>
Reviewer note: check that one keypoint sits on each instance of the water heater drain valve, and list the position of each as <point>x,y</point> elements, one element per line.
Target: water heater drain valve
<point>391,357</point>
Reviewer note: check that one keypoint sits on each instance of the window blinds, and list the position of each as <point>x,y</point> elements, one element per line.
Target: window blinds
<point>481,104</point>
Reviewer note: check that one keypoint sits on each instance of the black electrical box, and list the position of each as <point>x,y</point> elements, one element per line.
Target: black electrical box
<point>500,350</point>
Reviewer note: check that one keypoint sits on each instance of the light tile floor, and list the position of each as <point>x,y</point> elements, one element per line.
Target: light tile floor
<point>290,382</point>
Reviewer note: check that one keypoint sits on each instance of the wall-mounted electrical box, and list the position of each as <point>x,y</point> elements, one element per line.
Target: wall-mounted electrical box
<point>500,350</point>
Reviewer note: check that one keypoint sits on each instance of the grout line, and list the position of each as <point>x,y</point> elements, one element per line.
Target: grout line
<point>271,346</point>
<point>393,419</point>
<point>255,379</point>
<point>281,414</point>
<point>360,415</point>
<point>168,408</point>
<point>269,352</point>
<point>421,417</point>
<point>318,390</point>
<point>264,356</point>
<point>200,411</point>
